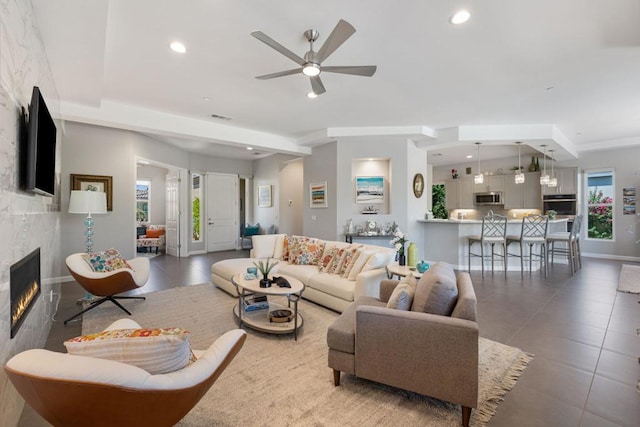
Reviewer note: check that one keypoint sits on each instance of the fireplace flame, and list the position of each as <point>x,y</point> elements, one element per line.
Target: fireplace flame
<point>23,303</point>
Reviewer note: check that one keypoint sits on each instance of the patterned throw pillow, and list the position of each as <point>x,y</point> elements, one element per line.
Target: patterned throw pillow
<point>327,257</point>
<point>286,249</point>
<point>348,257</point>
<point>338,260</point>
<point>105,261</point>
<point>307,251</point>
<point>157,351</point>
<point>359,263</point>
<point>352,261</point>
<point>402,296</point>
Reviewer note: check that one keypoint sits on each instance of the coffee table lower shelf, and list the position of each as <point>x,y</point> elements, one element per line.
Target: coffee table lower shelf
<point>259,320</point>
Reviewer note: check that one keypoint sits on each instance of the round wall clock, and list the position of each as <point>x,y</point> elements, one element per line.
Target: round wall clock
<point>418,185</point>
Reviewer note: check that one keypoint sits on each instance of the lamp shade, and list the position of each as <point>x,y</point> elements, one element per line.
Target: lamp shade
<point>88,202</point>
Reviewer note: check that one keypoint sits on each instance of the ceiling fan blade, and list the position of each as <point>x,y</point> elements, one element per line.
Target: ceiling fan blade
<point>277,46</point>
<point>342,31</point>
<point>279,74</point>
<point>317,86</point>
<point>357,70</point>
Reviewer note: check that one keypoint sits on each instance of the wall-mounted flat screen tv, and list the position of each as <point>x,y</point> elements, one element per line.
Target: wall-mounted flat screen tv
<point>40,162</point>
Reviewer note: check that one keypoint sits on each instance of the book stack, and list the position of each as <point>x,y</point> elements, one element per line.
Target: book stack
<point>255,302</point>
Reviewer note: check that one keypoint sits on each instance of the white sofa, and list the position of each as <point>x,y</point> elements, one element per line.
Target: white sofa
<point>328,289</point>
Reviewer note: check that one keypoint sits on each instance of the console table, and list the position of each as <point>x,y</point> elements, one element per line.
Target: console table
<point>348,237</point>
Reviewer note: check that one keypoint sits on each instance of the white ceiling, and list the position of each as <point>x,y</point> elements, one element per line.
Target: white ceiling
<point>564,73</point>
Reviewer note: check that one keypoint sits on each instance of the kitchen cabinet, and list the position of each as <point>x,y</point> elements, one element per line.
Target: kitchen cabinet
<point>523,196</point>
<point>451,194</point>
<point>567,181</point>
<point>459,193</point>
<point>491,183</point>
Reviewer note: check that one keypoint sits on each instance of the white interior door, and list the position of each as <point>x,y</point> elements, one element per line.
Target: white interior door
<point>172,214</point>
<point>222,212</point>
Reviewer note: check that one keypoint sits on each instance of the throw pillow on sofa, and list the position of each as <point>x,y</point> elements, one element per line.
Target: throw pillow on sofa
<point>437,291</point>
<point>327,258</point>
<point>402,295</point>
<point>157,351</point>
<point>307,251</point>
<point>359,263</point>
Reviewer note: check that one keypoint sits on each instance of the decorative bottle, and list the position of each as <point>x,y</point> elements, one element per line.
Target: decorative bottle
<point>532,166</point>
<point>412,255</point>
<point>537,164</point>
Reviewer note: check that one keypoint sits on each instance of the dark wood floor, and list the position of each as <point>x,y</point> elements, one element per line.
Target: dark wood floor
<point>583,334</point>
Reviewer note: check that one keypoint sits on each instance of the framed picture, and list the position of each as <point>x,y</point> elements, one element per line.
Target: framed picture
<point>264,196</point>
<point>94,183</point>
<point>318,195</point>
<point>369,189</point>
<point>418,185</point>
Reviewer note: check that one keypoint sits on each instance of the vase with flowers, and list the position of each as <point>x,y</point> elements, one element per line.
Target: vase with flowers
<point>454,173</point>
<point>398,241</point>
<point>264,267</point>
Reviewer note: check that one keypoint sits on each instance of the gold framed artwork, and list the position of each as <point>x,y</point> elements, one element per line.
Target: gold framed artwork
<point>264,196</point>
<point>418,185</point>
<point>94,183</point>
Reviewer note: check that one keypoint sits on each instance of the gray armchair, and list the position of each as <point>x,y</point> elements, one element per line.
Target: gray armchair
<point>431,354</point>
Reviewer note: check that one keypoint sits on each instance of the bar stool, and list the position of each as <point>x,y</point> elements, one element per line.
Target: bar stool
<point>571,239</point>
<point>534,232</point>
<point>494,231</point>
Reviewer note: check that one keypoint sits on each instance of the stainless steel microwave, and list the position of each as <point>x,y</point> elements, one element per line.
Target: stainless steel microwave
<point>489,198</point>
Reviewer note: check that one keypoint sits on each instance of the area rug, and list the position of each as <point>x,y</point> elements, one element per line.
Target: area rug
<point>629,279</point>
<point>275,380</point>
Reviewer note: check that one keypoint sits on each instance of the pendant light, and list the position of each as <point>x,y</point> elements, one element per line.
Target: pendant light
<point>544,178</point>
<point>519,173</point>
<point>553,181</point>
<point>479,178</point>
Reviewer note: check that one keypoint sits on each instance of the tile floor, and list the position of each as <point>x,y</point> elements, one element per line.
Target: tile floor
<point>583,334</point>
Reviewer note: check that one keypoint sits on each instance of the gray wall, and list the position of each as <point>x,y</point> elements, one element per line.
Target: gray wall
<point>27,222</point>
<point>626,165</point>
<point>266,171</point>
<point>157,196</point>
<point>118,150</point>
<point>291,196</point>
<point>319,167</point>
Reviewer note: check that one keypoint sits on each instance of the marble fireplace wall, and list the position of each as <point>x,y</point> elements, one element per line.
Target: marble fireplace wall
<point>26,221</point>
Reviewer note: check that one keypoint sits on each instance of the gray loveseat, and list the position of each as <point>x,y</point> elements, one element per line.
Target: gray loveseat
<point>431,354</point>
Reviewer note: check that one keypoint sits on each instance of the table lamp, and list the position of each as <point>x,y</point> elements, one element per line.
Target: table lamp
<point>88,202</point>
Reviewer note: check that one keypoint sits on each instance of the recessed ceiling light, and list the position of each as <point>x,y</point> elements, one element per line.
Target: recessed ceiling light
<point>550,88</point>
<point>312,95</point>
<point>205,98</point>
<point>220,117</point>
<point>460,17</point>
<point>469,156</point>
<point>249,148</point>
<point>178,47</point>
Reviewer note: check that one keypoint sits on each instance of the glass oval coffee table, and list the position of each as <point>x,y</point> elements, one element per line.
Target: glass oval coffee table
<point>260,319</point>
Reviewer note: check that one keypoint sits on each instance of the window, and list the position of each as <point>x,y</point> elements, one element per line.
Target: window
<point>196,197</point>
<point>143,188</point>
<point>600,205</point>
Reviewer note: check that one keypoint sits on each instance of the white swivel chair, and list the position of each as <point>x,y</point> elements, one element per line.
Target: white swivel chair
<point>107,285</point>
<point>70,390</point>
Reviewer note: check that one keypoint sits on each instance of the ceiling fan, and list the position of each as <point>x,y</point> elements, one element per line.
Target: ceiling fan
<point>311,64</point>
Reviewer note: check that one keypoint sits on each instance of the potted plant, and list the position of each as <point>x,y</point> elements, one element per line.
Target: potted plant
<point>264,267</point>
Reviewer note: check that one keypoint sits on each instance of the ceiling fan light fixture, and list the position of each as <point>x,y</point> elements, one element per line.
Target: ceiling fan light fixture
<point>312,95</point>
<point>460,17</point>
<point>311,69</point>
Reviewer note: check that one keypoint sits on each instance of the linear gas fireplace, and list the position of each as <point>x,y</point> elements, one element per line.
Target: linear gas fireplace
<point>25,288</point>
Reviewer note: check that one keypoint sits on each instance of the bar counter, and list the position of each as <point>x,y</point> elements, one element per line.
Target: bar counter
<point>446,240</point>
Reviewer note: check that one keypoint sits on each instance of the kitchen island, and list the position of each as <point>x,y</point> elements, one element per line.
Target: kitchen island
<point>446,240</point>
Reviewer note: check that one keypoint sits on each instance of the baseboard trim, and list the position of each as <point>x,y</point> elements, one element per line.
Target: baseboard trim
<point>613,257</point>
